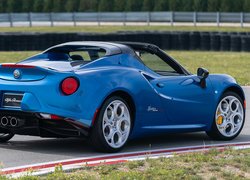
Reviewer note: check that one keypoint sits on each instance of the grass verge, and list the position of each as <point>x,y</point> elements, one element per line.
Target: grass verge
<point>233,63</point>
<point>229,164</point>
<point>108,29</point>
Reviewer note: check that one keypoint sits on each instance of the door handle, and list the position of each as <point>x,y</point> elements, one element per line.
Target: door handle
<point>160,85</point>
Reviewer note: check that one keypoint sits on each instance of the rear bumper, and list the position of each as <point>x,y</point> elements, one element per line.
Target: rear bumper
<point>24,123</point>
<point>45,96</point>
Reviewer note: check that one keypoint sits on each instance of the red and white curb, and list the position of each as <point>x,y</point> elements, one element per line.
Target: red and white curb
<point>70,164</point>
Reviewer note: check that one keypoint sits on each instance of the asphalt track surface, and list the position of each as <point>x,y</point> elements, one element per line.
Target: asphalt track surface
<point>27,150</point>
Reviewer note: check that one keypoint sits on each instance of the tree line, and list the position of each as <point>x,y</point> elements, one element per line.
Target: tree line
<point>123,5</point>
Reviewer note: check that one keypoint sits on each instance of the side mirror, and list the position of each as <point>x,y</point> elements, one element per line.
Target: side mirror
<point>202,74</point>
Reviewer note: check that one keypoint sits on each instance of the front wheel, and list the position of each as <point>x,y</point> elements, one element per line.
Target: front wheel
<point>229,117</point>
<point>113,125</point>
<point>4,137</point>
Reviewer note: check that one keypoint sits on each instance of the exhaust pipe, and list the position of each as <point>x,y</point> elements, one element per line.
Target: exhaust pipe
<point>13,121</point>
<point>4,121</point>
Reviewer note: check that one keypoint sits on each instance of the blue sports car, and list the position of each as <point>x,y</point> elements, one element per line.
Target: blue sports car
<point>111,92</point>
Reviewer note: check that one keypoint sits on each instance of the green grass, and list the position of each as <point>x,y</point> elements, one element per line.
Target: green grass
<point>235,64</point>
<point>108,29</point>
<point>229,164</point>
<point>9,57</point>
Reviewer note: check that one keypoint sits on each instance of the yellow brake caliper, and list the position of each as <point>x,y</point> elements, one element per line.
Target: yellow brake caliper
<point>219,120</point>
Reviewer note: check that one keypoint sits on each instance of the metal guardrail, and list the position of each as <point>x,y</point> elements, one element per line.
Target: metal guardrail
<point>127,17</point>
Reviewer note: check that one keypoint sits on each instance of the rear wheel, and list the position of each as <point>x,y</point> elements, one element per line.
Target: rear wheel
<point>4,137</point>
<point>113,124</point>
<point>229,117</point>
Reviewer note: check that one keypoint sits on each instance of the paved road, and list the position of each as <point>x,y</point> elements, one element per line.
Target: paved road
<point>25,150</point>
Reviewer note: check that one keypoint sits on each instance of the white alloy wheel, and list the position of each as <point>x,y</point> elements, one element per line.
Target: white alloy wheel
<point>116,124</point>
<point>229,117</point>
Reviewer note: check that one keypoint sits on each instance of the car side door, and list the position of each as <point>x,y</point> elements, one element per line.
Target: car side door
<point>186,103</point>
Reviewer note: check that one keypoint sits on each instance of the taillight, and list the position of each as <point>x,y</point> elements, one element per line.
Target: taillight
<point>69,85</point>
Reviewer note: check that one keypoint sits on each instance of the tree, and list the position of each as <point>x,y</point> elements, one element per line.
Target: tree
<point>105,6</point>
<point>72,6</point>
<point>90,6</point>
<point>187,5</point>
<point>246,6</point>
<point>148,5</point>
<point>94,5</point>
<point>213,5</point>
<point>59,6</point>
<point>161,5</point>
<point>123,5</point>
<point>27,6</point>
<point>225,6</point>
<point>119,5</point>
<point>38,6</point>
<point>13,6</point>
<point>48,5</point>
<point>84,5</point>
<point>134,5</point>
<point>237,6</point>
<point>200,5</point>
<point>175,5</point>
<point>2,6</point>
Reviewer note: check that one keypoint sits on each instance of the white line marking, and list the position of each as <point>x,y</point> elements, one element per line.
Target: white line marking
<point>45,168</point>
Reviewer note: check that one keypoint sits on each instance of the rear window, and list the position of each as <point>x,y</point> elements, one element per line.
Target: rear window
<point>75,54</point>
<point>86,55</point>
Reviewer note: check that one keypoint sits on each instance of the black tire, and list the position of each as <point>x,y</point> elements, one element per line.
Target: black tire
<point>97,138</point>
<point>5,137</point>
<point>214,133</point>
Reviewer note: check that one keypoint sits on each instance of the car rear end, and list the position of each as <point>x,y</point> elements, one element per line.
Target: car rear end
<point>40,101</point>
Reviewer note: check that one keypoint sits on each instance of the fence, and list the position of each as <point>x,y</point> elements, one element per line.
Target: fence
<point>126,17</point>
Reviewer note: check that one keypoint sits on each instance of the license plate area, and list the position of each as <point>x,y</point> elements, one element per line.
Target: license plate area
<point>12,100</point>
